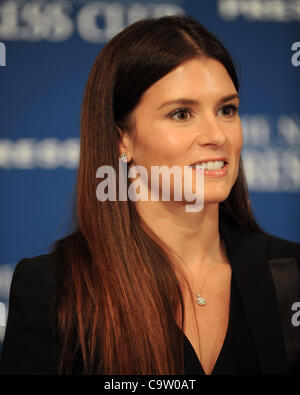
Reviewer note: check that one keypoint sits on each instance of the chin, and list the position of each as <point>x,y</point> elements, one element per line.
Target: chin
<point>216,197</point>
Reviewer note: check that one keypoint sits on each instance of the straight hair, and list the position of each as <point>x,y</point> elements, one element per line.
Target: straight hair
<point>119,307</point>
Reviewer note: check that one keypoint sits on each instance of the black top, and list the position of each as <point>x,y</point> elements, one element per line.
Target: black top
<point>261,329</point>
<point>237,355</point>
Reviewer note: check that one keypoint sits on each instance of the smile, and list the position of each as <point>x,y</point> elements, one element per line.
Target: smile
<point>215,169</point>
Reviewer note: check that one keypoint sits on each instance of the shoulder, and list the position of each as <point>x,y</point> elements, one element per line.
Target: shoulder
<point>256,242</point>
<point>279,248</point>
<point>29,345</point>
<point>36,277</point>
<point>284,264</point>
<point>40,266</point>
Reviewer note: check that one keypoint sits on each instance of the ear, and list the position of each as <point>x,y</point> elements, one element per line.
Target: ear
<point>124,144</point>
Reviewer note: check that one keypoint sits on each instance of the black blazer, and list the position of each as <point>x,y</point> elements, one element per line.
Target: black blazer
<point>267,273</point>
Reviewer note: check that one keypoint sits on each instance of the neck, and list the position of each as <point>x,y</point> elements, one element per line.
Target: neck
<point>194,237</point>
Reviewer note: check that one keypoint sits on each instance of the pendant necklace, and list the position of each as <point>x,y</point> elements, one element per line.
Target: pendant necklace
<point>201,301</point>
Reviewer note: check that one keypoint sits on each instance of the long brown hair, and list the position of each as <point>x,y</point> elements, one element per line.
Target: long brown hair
<point>118,294</point>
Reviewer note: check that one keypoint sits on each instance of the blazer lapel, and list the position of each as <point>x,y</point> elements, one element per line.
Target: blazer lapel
<point>248,256</point>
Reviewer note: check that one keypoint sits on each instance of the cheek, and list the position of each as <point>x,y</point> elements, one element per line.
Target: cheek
<point>237,145</point>
<point>158,146</point>
<point>241,140</point>
<point>173,145</point>
<point>236,139</point>
<point>240,134</point>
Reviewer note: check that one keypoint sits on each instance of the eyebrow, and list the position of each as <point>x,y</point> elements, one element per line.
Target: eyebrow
<point>192,102</point>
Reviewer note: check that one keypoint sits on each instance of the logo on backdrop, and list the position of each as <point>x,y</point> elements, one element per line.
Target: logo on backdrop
<point>269,144</point>
<point>56,21</point>
<point>260,10</point>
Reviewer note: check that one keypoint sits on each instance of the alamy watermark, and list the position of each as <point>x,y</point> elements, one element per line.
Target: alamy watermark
<point>296,315</point>
<point>141,184</point>
<point>2,54</point>
<point>2,314</point>
<point>296,56</point>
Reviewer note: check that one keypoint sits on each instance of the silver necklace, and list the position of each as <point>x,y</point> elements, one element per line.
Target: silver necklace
<point>199,298</point>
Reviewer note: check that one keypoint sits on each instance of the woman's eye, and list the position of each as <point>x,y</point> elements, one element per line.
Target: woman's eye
<point>181,115</point>
<point>228,111</point>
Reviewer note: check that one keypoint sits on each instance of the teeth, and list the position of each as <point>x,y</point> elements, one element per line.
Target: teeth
<point>217,165</point>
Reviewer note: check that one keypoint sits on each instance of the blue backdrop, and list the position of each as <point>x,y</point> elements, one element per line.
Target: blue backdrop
<point>47,50</point>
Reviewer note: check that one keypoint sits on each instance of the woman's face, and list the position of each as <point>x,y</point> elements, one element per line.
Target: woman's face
<point>190,116</point>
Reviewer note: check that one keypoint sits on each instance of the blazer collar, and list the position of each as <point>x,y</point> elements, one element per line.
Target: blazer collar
<point>248,256</point>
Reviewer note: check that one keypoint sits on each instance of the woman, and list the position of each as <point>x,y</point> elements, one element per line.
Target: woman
<point>145,287</point>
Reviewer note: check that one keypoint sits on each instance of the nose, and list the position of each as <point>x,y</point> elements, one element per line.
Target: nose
<point>210,131</point>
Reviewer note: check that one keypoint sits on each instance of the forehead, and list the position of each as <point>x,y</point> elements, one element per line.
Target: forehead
<point>193,78</point>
